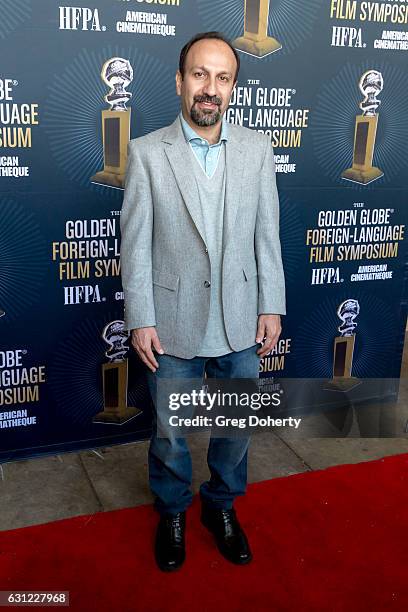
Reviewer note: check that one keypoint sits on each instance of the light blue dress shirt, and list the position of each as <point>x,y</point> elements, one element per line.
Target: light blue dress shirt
<point>211,191</point>
<point>206,154</point>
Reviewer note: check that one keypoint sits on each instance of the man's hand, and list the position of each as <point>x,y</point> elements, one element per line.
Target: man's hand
<point>144,339</point>
<point>269,327</point>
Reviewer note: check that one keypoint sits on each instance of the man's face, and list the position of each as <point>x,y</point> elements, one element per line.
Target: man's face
<point>208,81</point>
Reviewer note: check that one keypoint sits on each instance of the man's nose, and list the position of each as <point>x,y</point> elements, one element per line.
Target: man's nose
<point>210,87</point>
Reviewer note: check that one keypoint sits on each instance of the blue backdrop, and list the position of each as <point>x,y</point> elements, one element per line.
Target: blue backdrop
<point>59,232</point>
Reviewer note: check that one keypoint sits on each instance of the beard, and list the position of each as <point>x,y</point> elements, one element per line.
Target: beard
<point>205,117</point>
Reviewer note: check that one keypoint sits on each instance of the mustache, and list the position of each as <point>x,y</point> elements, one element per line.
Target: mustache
<point>210,99</point>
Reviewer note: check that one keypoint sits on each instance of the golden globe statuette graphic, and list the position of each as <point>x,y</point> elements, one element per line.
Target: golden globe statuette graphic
<point>344,347</point>
<point>362,170</point>
<point>115,377</point>
<point>255,40</point>
<point>117,73</point>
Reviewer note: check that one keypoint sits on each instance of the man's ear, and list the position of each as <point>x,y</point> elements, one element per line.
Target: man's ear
<point>179,80</point>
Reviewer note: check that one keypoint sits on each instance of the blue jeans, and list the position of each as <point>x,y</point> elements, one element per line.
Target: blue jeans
<point>170,468</point>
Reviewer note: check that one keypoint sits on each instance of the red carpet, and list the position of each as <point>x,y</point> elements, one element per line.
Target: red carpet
<point>333,540</point>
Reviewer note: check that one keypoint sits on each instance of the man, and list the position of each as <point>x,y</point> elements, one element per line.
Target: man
<point>203,279</point>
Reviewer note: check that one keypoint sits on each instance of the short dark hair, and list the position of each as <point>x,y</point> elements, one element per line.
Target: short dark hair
<point>204,36</point>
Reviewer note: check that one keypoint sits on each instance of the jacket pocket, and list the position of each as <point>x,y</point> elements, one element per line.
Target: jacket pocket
<point>165,294</point>
<point>250,270</point>
<point>165,279</point>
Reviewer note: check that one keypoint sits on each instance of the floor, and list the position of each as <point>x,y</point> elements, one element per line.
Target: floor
<point>49,488</point>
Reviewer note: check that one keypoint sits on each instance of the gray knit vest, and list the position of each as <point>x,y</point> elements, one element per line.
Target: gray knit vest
<point>212,197</point>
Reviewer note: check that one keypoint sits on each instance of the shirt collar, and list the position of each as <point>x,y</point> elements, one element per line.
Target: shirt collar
<point>190,134</point>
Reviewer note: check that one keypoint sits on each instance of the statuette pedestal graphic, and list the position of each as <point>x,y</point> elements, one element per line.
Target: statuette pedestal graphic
<point>362,171</point>
<point>117,73</point>
<point>344,348</point>
<point>255,40</point>
<point>115,378</point>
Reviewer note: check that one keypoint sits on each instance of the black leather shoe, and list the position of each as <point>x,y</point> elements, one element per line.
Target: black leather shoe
<point>229,535</point>
<point>170,541</point>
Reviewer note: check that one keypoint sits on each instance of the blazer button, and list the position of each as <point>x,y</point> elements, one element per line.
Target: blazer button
<point>206,250</point>
<point>207,284</point>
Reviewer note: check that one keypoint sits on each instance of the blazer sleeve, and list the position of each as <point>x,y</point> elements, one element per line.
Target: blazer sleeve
<point>136,224</point>
<point>271,281</point>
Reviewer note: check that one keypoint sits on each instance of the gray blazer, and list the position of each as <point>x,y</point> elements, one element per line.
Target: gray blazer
<point>165,265</point>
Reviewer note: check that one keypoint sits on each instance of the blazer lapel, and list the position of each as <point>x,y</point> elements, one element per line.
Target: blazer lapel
<point>177,154</point>
<point>235,156</point>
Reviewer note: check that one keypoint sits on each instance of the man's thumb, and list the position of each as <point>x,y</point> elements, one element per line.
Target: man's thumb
<point>260,334</point>
<point>156,344</point>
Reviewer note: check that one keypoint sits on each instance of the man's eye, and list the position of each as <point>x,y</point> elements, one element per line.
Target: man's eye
<point>198,74</point>
<point>224,78</point>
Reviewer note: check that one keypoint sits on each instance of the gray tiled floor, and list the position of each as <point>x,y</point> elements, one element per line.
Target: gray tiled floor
<point>49,488</point>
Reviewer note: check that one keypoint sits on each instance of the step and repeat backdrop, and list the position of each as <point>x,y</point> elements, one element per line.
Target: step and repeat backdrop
<point>325,80</point>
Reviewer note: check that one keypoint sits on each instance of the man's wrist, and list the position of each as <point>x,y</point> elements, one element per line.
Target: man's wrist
<point>276,314</point>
